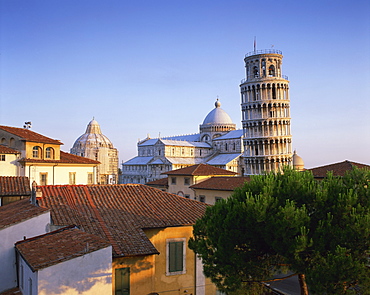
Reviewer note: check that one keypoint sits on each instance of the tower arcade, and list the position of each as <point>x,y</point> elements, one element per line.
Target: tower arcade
<point>265,113</point>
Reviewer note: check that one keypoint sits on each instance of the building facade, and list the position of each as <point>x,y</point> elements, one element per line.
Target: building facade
<point>93,144</point>
<point>39,158</point>
<point>218,143</point>
<point>265,106</point>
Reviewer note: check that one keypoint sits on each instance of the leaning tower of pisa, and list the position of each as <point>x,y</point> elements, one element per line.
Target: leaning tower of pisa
<point>265,113</point>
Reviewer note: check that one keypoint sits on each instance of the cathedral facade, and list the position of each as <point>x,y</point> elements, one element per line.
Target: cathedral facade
<point>93,144</point>
<point>218,143</point>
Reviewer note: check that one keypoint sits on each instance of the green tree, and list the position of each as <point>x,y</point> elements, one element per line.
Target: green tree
<point>279,221</point>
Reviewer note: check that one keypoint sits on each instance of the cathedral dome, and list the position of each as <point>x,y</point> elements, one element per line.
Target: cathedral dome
<point>217,116</point>
<point>93,137</point>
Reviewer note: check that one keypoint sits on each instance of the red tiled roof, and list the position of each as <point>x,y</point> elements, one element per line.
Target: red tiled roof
<point>161,181</point>
<point>119,213</point>
<point>29,135</point>
<point>338,169</point>
<point>7,150</point>
<point>221,183</point>
<point>19,211</point>
<point>65,158</point>
<point>58,246</point>
<point>14,186</point>
<point>200,170</point>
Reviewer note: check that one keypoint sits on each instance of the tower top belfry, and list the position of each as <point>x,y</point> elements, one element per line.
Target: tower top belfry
<point>265,108</point>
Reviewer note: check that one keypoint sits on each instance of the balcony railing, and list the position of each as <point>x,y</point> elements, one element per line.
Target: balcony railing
<point>259,77</point>
<point>264,51</point>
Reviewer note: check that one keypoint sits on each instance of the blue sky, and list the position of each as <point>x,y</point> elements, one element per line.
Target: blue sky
<point>156,67</point>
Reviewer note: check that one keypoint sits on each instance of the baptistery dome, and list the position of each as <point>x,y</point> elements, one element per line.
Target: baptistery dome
<point>217,116</point>
<point>93,144</point>
<point>93,137</point>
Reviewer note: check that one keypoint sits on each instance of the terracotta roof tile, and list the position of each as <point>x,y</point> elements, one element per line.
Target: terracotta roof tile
<point>221,183</point>
<point>57,246</point>
<point>14,186</point>
<point>64,158</point>
<point>200,170</point>
<point>7,150</point>
<point>338,169</point>
<point>161,181</point>
<point>119,213</point>
<point>19,211</point>
<point>29,135</point>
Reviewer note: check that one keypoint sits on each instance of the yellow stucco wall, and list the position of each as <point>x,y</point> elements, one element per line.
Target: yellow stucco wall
<point>211,195</point>
<point>148,273</point>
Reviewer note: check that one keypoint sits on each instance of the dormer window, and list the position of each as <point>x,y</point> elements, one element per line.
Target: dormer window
<point>36,151</point>
<point>49,153</point>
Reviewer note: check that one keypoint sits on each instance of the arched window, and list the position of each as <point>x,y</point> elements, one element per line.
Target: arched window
<point>3,141</point>
<point>255,72</point>
<point>36,152</point>
<point>12,142</point>
<point>271,71</point>
<point>49,153</point>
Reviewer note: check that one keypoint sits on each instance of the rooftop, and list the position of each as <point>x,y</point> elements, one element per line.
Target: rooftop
<point>221,183</point>
<point>29,135</point>
<point>200,170</point>
<point>7,150</point>
<point>18,212</point>
<point>65,158</point>
<point>338,169</point>
<point>58,246</point>
<point>119,213</point>
<point>14,186</point>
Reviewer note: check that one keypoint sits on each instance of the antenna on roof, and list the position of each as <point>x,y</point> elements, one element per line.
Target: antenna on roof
<point>27,125</point>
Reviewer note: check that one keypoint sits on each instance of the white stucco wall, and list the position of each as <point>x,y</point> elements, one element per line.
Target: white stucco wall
<point>57,175</point>
<point>8,237</point>
<point>90,274</point>
<point>10,166</point>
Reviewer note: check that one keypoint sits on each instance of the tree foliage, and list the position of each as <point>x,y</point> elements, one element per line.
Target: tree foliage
<point>289,220</point>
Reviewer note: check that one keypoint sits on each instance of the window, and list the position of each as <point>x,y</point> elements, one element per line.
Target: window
<point>43,178</point>
<point>218,199</point>
<point>2,157</point>
<point>186,181</point>
<point>36,152</point>
<point>90,177</point>
<point>72,177</point>
<point>49,153</point>
<point>173,180</point>
<point>202,198</point>
<point>176,256</point>
<point>122,281</point>
<point>187,196</point>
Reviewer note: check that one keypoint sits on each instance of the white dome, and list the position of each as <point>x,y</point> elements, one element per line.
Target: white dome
<point>92,137</point>
<point>298,162</point>
<point>217,116</point>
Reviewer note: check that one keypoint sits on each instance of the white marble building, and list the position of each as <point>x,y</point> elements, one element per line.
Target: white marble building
<point>93,144</point>
<point>218,143</point>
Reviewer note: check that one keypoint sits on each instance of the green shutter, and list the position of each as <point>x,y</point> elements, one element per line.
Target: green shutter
<point>176,256</point>
<point>122,281</point>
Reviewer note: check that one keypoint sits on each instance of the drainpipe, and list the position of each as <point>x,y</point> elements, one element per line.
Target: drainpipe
<point>29,172</point>
<point>54,173</point>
